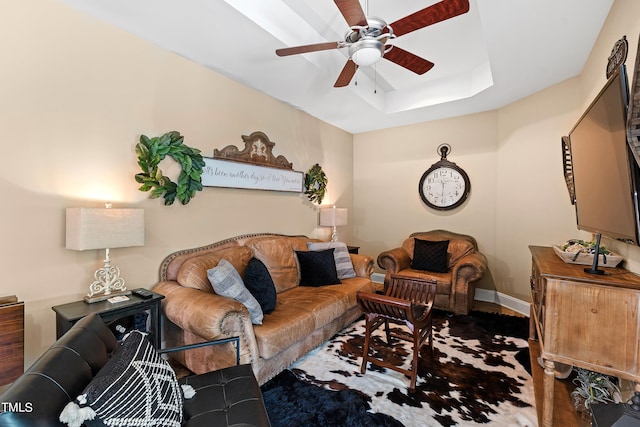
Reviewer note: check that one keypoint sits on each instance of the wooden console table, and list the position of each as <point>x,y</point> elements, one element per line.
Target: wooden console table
<point>584,320</point>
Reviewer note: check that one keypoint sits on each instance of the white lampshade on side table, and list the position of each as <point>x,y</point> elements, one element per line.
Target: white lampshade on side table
<point>333,217</point>
<point>104,228</point>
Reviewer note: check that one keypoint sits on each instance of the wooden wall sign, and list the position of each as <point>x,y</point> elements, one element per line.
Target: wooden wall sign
<point>254,167</point>
<point>618,55</point>
<point>633,111</point>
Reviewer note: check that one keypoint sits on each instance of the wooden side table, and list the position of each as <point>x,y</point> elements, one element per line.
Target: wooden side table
<point>11,339</point>
<point>68,314</point>
<point>353,249</point>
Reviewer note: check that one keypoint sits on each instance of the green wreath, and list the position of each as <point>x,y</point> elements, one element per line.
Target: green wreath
<point>315,183</point>
<point>150,153</point>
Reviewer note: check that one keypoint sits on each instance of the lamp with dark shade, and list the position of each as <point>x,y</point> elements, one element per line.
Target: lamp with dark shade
<point>104,228</point>
<point>333,217</point>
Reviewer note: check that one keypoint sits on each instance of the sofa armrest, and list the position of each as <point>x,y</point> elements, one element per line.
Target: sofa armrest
<point>209,316</point>
<point>362,264</point>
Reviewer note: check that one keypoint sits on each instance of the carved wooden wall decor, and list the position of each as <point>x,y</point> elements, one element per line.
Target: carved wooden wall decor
<point>567,165</point>
<point>258,149</point>
<point>254,167</point>
<point>618,55</point>
<point>633,112</point>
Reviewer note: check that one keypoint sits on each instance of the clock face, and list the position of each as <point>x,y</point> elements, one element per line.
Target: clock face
<point>444,187</point>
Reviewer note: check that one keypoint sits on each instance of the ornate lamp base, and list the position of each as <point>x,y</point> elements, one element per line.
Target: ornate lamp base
<point>107,281</point>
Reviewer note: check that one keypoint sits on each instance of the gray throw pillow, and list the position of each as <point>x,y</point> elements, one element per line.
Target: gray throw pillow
<point>226,281</point>
<point>344,266</point>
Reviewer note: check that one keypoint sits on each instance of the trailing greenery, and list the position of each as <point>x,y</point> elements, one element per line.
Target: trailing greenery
<point>593,387</point>
<point>151,151</point>
<point>586,246</point>
<point>315,183</point>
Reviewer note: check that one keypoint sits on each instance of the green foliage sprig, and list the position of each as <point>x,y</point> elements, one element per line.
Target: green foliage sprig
<point>315,184</point>
<point>586,246</point>
<point>151,151</point>
<point>593,387</point>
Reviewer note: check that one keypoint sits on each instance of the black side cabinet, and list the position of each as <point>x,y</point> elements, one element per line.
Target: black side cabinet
<point>125,313</point>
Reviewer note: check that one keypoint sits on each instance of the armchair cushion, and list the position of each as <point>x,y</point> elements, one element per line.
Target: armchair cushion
<point>430,256</point>
<point>226,281</point>
<point>258,281</point>
<point>317,268</point>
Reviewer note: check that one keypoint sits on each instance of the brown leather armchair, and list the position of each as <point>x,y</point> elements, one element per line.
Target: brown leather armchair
<point>455,288</point>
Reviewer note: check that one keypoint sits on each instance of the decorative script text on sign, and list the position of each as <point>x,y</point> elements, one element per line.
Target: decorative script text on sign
<point>230,174</point>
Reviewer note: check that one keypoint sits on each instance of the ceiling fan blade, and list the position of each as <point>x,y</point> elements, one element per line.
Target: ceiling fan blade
<point>286,51</point>
<point>430,15</point>
<point>408,60</point>
<point>346,74</point>
<point>352,12</point>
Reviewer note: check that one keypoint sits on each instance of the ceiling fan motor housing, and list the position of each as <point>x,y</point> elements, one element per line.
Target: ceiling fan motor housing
<point>368,43</point>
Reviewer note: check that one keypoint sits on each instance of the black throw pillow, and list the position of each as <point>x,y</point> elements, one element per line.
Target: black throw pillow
<point>259,282</point>
<point>430,256</point>
<point>317,268</point>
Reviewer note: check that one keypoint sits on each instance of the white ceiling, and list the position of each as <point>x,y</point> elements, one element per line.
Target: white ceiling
<point>498,52</point>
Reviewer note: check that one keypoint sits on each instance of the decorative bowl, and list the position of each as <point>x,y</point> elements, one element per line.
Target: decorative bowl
<point>610,260</point>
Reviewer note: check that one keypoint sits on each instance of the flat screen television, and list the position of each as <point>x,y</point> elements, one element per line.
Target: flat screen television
<point>605,173</point>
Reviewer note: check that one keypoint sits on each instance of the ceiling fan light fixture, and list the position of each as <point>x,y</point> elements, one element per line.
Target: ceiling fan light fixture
<point>366,52</point>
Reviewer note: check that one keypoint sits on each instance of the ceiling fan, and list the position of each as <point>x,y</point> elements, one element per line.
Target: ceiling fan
<point>368,36</point>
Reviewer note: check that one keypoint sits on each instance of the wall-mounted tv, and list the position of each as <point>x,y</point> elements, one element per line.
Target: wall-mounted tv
<point>605,174</point>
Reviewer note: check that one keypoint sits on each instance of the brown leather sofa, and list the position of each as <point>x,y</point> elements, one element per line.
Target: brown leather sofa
<point>455,288</point>
<point>304,317</point>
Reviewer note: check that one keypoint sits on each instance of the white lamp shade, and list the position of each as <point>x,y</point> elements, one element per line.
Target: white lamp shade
<point>333,217</point>
<point>366,52</point>
<point>104,228</point>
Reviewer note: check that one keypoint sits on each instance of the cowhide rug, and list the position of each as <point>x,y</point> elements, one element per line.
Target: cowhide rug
<point>472,378</point>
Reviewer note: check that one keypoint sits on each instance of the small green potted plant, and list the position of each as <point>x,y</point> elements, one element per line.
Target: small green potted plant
<point>592,387</point>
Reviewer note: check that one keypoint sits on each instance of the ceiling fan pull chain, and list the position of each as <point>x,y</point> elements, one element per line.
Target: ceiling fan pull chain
<point>375,78</point>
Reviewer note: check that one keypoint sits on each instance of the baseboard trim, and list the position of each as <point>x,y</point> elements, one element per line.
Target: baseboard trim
<point>503,300</point>
<point>485,295</point>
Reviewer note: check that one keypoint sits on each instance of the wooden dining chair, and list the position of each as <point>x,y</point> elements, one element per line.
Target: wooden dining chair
<point>408,301</point>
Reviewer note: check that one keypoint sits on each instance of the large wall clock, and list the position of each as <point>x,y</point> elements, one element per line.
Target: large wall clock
<point>444,185</point>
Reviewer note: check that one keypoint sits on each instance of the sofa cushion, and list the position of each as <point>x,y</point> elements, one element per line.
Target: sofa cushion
<point>277,254</point>
<point>287,325</point>
<point>317,268</point>
<point>258,281</point>
<point>136,387</point>
<point>344,266</point>
<point>226,281</point>
<point>193,272</point>
<point>430,256</point>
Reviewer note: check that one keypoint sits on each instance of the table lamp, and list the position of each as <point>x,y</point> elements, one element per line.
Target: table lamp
<point>104,228</point>
<point>333,217</point>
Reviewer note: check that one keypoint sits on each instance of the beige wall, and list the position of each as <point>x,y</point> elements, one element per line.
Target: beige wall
<point>388,165</point>
<point>513,159</point>
<point>75,95</point>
